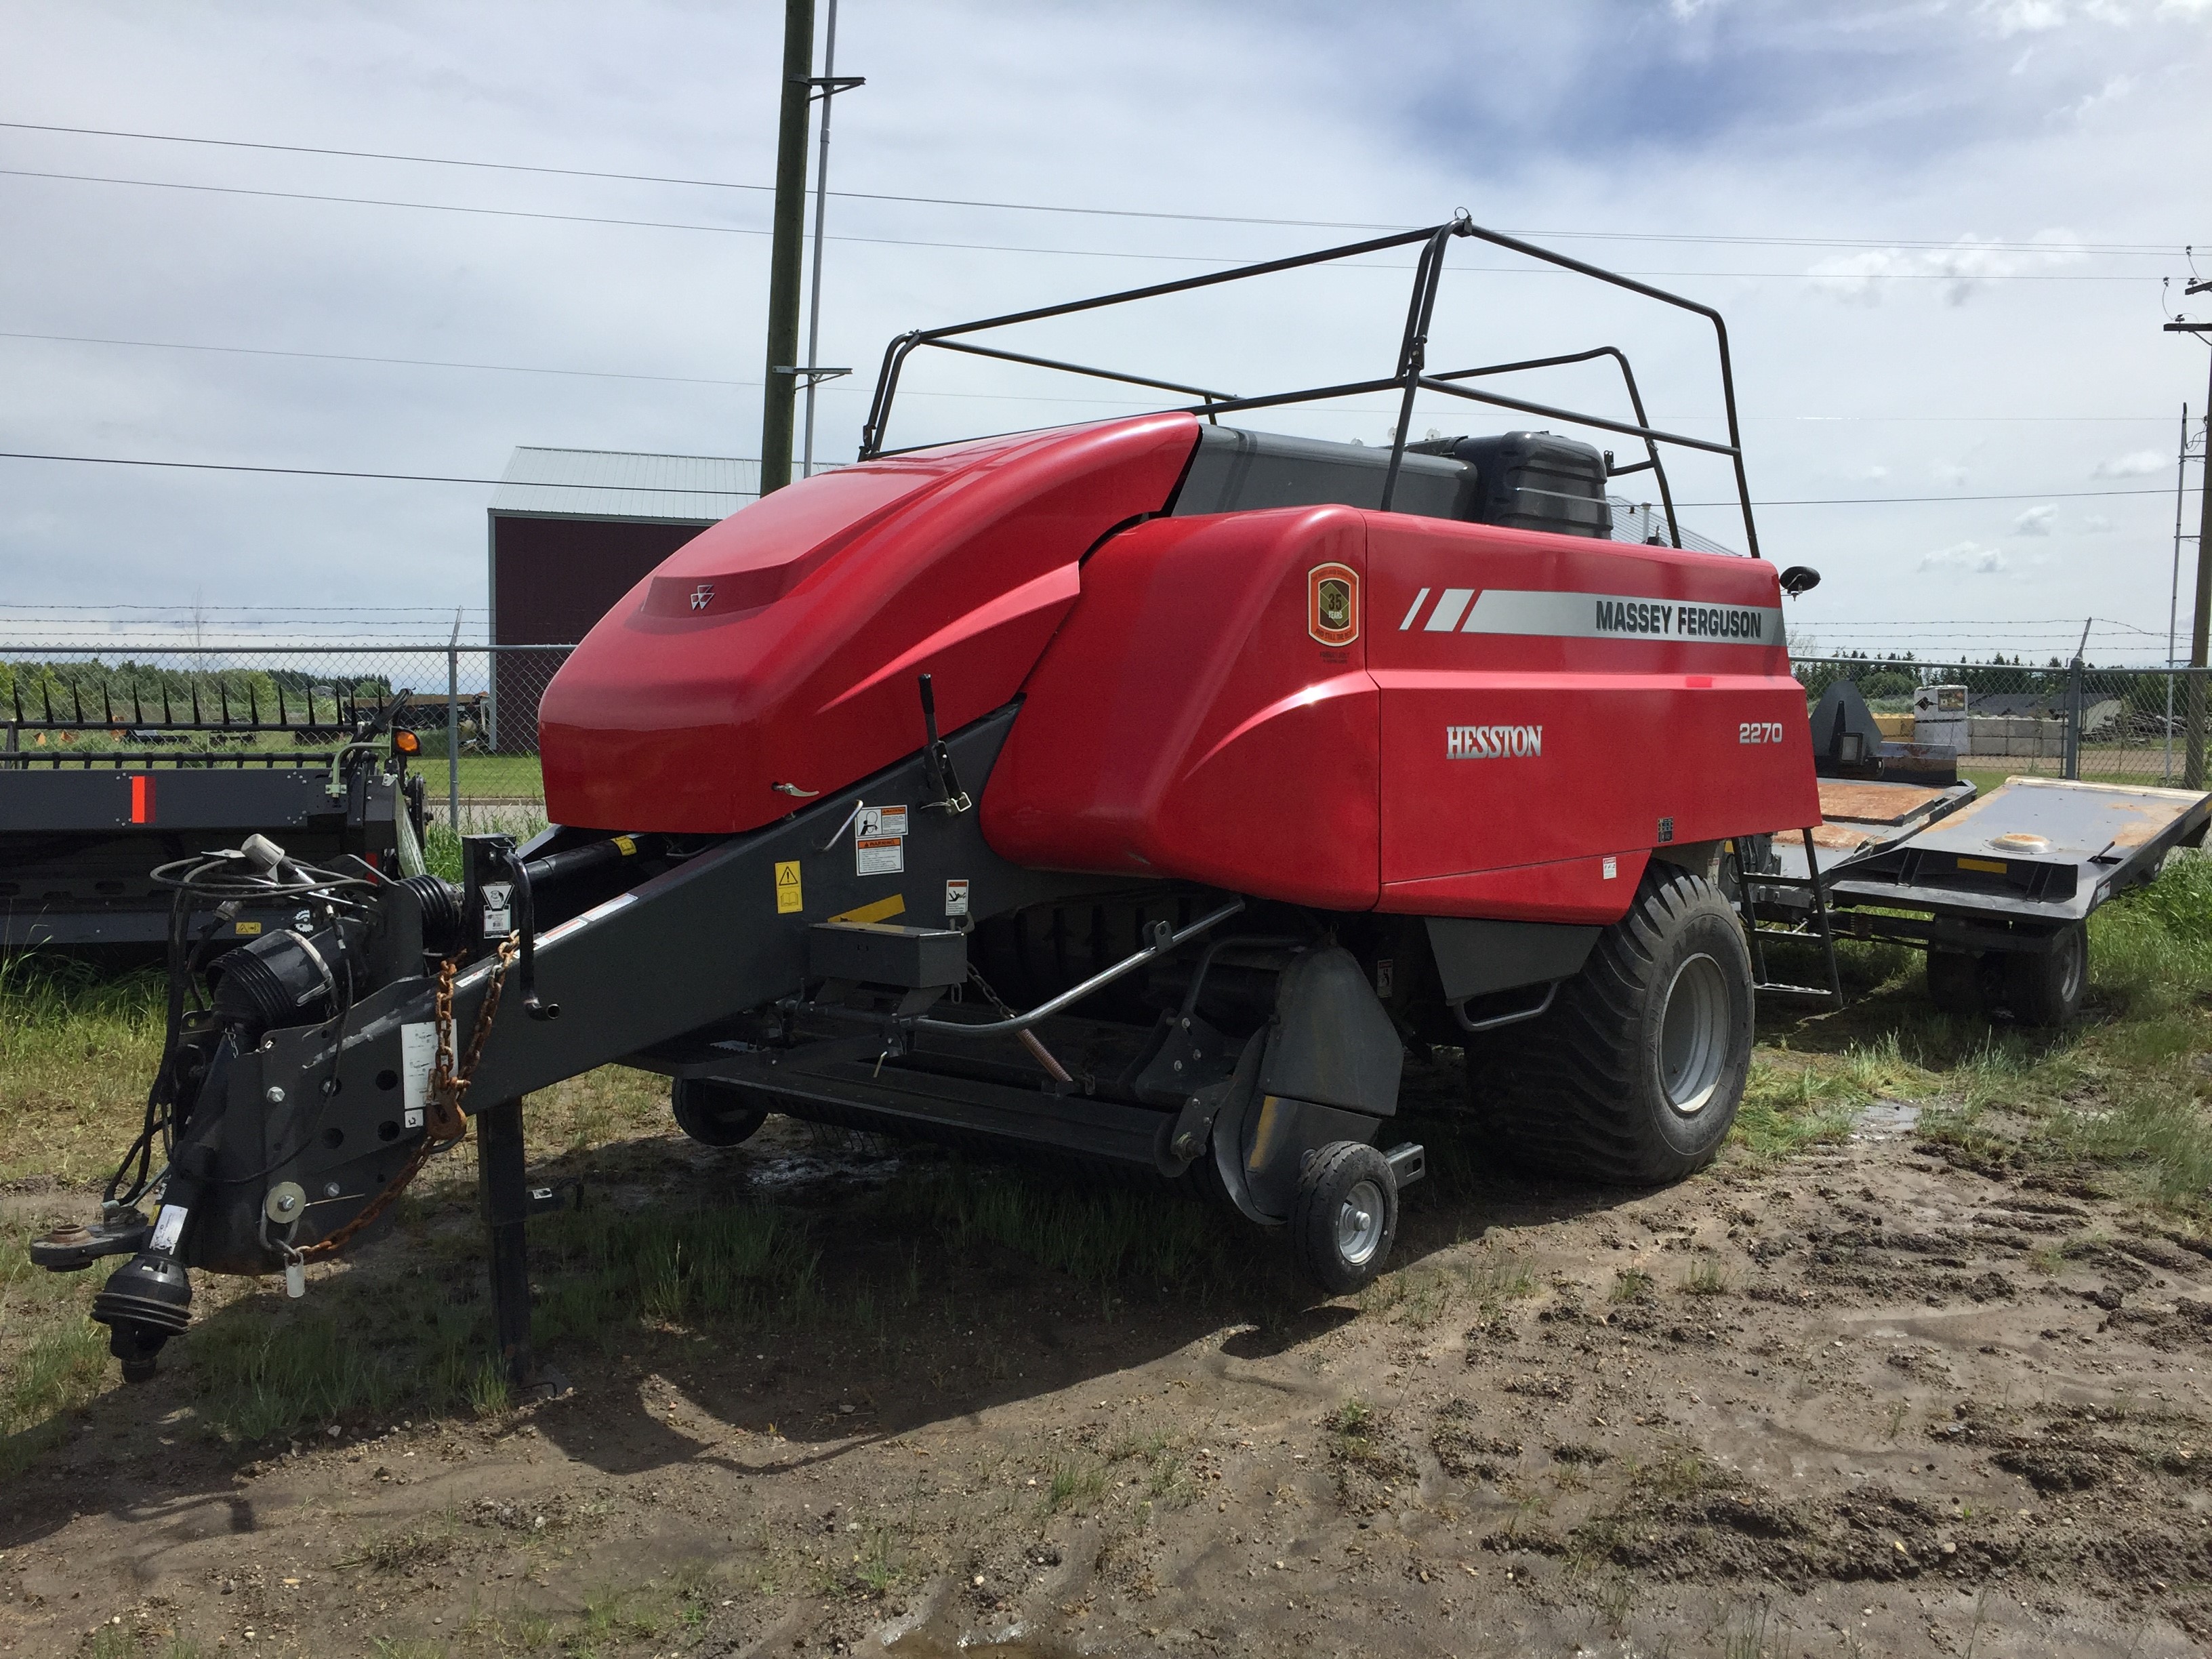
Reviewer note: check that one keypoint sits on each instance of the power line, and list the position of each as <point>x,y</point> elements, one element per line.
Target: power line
<point>189,611</point>
<point>1001,397</point>
<point>1004,247</point>
<point>364,357</point>
<point>335,472</point>
<point>2162,250</point>
<point>439,478</point>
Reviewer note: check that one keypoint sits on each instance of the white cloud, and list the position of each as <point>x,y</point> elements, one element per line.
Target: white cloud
<point>2096,524</point>
<point>1894,130</point>
<point>2010,17</point>
<point>1968,555</point>
<point>1955,272</point>
<point>2036,521</point>
<point>2117,87</point>
<point>2136,464</point>
<point>2023,16</point>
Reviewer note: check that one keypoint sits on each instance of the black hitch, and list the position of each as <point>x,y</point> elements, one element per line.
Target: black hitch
<point>145,1301</point>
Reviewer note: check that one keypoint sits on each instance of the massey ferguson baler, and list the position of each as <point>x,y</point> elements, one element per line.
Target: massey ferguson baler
<point>1133,793</point>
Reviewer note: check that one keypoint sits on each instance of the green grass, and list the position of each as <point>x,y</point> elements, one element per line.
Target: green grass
<point>1104,1235</point>
<point>1074,1485</point>
<point>77,1049</point>
<point>56,1359</point>
<point>2119,1095</point>
<point>609,1271</point>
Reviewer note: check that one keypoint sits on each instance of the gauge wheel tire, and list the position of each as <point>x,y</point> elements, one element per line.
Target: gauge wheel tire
<point>1634,1076</point>
<point>1345,1220</point>
<point>2045,988</point>
<point>716,1113</point>
<point>1954,983</point>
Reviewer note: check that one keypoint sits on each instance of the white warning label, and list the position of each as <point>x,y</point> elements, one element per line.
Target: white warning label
<point>956,898</point>
<point>879,856</point>
<point>169,1227</point>
<point>418,1051</point>
<point>879,822</point>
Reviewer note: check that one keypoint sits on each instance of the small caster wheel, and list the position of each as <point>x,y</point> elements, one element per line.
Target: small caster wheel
<point>716,1113</point>
<point>1346,1218</point>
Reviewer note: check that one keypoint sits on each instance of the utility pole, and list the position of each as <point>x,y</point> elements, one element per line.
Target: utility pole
<point>2200,632</point>
<point>827,86</point>
<point>787,248</point>
<point>2173,588</point>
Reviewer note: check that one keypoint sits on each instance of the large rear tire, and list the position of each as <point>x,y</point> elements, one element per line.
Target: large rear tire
<point>716,1113</point>
<point>1635,1075</point>
<point>1954,983</point>
<point>2045,988</point>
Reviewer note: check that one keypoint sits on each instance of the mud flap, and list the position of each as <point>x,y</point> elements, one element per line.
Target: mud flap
<point>1263,1142</point>
<point>1329,1038</point>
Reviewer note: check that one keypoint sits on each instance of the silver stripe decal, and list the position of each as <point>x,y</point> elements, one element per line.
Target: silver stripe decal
<point>1619,616</point>
<point>1414,610</point>
<point>1451,604</point>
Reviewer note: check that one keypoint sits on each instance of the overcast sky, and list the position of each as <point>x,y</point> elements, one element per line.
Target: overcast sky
<point>1937,232</point>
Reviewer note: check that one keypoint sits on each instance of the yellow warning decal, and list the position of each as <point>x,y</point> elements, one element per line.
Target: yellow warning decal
<point>882,910</point>
<point>787,900</point>
<point>626,847</point>
<point>247,929</point>
<point>1987,866</point>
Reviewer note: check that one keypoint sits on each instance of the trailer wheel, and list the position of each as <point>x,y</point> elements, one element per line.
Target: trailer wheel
<point>2045,988</point>
<point>1954,983</point>
<point>1634,1074</point>
<point>716,1113</point>
<point>1346,1216</point>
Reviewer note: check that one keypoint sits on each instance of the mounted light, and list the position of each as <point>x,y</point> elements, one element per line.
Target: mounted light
<point>407,743</point>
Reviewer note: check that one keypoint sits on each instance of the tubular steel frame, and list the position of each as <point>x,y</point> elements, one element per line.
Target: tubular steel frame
<point>1411,377</point>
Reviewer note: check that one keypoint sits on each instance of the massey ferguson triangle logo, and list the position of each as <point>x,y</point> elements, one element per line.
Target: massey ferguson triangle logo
<point>702,596</point>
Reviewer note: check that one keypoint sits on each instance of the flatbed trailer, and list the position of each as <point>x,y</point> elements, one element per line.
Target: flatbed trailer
<point>1997,887</point>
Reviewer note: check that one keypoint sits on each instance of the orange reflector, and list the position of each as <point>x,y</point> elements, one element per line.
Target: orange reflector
<point>141,798</point>
<point>1987,866</point>
<point>407,743</point>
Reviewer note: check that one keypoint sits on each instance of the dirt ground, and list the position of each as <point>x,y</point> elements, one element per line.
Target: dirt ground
<point>1869,1400</point>
<point>1863,1401</point>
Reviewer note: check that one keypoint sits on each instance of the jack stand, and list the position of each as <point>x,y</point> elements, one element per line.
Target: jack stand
<point>507,1208</point>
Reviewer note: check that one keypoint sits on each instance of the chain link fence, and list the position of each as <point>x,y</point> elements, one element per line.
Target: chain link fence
<point>474,708</point>
<point>2110,724</point>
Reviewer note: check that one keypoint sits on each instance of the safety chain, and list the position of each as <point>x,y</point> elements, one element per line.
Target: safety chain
<point>444,1125</point>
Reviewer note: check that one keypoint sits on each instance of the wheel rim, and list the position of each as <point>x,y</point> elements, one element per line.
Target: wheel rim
<point>1693,1035</point>
<point>1359,1223</point>
<point>2071,960</point>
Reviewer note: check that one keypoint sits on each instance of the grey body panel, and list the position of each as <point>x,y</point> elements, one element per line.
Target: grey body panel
<point>1476,957</point>
<point>878,954</point>
<point>841,1082</point>
<point>1238,472</point>
<point>1331,1041</point>
<point>672,956</point>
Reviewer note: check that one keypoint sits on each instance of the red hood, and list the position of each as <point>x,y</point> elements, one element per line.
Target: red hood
<point>782,644</point>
